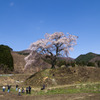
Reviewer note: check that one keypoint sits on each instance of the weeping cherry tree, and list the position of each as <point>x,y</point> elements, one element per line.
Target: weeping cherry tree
<point>52,46</point>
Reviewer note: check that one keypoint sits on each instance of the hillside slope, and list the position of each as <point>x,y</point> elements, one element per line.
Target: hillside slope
<point>63,76</point>
<point>19,63</point>
<point>89,59</point>
<point>86,57</point>
<point>39,65</point>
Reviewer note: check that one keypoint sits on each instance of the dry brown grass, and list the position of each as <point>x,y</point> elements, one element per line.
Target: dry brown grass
<point>63,76</point>
<point>81,96</point>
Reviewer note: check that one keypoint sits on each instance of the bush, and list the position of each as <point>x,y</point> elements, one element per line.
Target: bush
<point>81,63</point>
<point>61,62</point>
<point>98,63</point>
<point>91,64</point>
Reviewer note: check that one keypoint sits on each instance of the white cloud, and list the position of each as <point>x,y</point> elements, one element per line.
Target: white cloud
<point>12,4</point>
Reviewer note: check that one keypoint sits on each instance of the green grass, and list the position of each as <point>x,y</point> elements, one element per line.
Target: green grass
<point>95,88</point>
<point>82,88</point>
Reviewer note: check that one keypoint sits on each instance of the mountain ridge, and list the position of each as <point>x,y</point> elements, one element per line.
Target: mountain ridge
<point>87,57</point>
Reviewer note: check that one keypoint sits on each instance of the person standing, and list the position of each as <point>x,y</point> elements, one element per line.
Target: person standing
<point>9,86</point>
<point>23,90</point>
<point>29,90</point>
<point>16,87</point>
<point>8,89</point>
<point>3,88</point>
<point>19,92</point>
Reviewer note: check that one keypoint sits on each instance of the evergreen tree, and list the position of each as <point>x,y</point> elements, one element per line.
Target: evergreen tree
<point>6,59</point>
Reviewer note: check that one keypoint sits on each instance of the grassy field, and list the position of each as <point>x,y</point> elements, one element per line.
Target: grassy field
<point>61,89</point>
<point>76,90</point>
<point>86,91</point>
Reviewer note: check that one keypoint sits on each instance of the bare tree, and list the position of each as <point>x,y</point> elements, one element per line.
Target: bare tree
<point>53,46</point>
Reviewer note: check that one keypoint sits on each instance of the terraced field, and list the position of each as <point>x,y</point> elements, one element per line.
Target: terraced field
<point>81,88</point>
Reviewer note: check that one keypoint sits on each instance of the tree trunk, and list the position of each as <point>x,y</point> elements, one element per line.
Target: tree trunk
<point>53,62</point>
<point>53,66</point>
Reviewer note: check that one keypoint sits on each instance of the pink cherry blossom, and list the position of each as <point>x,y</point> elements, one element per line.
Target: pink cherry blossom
<point>54,45</point>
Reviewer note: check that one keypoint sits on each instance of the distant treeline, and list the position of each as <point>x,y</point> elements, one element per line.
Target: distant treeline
<point>89,59</point>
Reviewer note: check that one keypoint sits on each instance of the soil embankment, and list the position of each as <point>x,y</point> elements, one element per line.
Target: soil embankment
<point>63,76</point>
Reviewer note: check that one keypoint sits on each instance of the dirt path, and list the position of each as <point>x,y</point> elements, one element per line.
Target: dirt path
<point>81,96</point>
<point>64,86</point>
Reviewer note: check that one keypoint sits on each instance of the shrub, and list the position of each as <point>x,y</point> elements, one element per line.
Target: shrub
<point>61,62</point>
<point>91,64</point>
<point>98,63</point>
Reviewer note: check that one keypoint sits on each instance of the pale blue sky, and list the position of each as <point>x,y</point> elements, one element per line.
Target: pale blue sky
<point>25,21</point>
